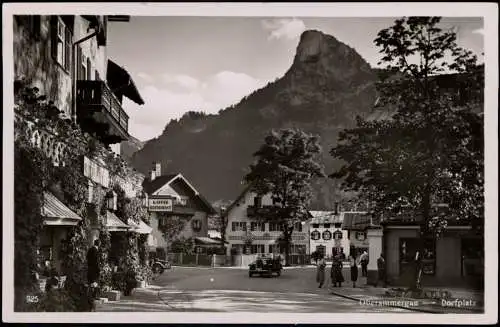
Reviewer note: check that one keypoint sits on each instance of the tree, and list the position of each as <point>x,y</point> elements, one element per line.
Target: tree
<point>429,149</point>
<point>285,166</point>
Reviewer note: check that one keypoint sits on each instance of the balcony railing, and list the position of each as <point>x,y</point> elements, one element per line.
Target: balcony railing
<point>96,97</point>
<point>45,141</point>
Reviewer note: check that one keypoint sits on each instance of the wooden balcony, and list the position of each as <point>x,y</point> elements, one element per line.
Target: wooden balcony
<point>254,212</point>
<point>100,112</point>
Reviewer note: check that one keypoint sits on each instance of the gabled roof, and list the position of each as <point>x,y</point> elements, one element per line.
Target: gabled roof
<point>240,196</point>
<point>150,187</point>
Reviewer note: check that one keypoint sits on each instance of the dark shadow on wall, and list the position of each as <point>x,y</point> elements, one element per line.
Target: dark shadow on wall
<point>34,63</point>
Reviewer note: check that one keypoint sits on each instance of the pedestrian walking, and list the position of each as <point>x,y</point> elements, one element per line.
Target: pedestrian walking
<point>364,259</point>
<point>354,269</point>
<point>336,272</point>
<point>381,271</point>
<point>320,272</point>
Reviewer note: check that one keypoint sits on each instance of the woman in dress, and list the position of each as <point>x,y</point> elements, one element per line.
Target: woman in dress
<point>354,269</point>
<point>336,272</point>
<point>320,272</point>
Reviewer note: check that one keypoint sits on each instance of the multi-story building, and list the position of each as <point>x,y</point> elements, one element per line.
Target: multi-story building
<point>65,57</point>
<point>247,234</point>
<point>172,197</point>
<point>326,235</point>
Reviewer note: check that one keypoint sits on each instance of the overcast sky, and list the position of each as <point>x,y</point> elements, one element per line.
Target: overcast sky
<point>208,63</point>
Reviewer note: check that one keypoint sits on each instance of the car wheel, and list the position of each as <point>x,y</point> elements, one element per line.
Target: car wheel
<point>278,273</point>
<point>250,274</point>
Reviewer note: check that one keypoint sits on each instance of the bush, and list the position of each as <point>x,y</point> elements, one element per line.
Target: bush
<point>56,300</point>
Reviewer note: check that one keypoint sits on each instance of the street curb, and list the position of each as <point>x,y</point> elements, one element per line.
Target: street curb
<point>390,306</point>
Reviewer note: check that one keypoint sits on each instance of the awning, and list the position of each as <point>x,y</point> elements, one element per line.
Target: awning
<point>114,224</point>
<point>55,213</point>
<point>206,241</point>
<point>356,220</point>
<point>141,227</point>
<point>121,82</point>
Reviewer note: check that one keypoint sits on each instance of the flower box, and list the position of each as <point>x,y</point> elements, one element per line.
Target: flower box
<point>113,295</point>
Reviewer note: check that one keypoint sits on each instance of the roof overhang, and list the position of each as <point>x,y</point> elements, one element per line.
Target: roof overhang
<point>56,213</point>
<point>140,228</point>
<point>121,82</point>
<point>114,224</point>
<point>206,241</point>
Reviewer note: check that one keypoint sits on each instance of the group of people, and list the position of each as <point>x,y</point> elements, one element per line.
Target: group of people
<point>336,275</point>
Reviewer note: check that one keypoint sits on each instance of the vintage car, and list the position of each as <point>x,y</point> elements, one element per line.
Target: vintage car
<point>264,266</point>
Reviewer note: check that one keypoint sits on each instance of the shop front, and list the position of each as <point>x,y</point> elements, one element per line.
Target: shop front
<point>455,258</point>
<point>58,220</point>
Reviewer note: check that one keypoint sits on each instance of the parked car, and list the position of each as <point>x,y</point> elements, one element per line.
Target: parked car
<point>159,266</point>
<point>265,267</point>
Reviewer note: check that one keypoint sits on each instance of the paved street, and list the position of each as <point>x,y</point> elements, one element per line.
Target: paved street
<point>229,290</point>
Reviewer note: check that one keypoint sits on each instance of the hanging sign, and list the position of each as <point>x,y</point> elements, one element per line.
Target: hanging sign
<point>160,205</point>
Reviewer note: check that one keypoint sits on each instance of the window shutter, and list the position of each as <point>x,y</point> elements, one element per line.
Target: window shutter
<point>53,36</point>
<point>89,70</point>
<point>67,50</point>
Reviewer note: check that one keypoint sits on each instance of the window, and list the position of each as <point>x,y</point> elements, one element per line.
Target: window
<point>337,225</point>
<point>257,201</point>
<point>182,200</point>
<point>327,235</point>
<point>257,226</point>
<point>257,248</point>
<point>61,43</point>
<point>315,225</point>
<point>315,235</point>
<point>239,226</point>
<point>360,236</point>
<point>408,248</point>
<point>327,225</point>
<point>298,227</point>
<point>274,227</point>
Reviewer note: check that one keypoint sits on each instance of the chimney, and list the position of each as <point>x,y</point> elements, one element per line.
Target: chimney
<point>153,175</point>
<point>336,208</point>
<point>158,168</point>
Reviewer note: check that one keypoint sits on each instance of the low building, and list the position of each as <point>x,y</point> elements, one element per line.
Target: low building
<point>247,233</point>
<point>455,258</point>
<point>173,197</point>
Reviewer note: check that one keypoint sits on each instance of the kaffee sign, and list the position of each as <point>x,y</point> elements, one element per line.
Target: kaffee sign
<point>160,205</point>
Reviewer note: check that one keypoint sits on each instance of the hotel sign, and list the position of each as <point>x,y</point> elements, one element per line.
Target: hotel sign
<point>160,205</point>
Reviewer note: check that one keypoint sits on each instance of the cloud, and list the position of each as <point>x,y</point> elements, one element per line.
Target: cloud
<point>146,77</point>
<point>181,93</point>
<point>184,81</point>
<point>289,29</point>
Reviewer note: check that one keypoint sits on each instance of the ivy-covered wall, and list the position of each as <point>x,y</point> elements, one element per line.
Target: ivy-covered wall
<point>35,173</point>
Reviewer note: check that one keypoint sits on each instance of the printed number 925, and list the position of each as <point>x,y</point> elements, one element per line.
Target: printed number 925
<point>32,298</point>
